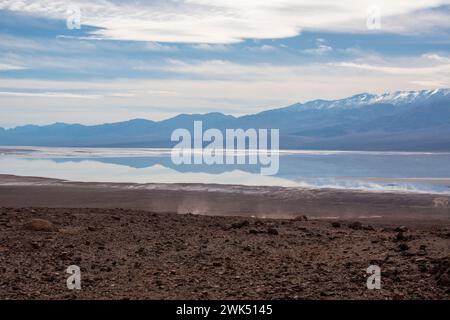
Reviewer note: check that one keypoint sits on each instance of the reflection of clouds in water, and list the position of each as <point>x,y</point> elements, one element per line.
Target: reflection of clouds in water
<point>97,171</point>
<point>51,152</point>
<point>94,171</point>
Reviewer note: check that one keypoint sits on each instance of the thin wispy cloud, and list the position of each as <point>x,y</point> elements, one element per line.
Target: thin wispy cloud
<point>155,46</point>
<point>320,49</point>
<point>211,47</point>
<point>9,67</point>
<point>60,95</point>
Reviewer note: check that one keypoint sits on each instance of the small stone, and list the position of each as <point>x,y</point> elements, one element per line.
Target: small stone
<point>238,225</point>
<point>335,224</point>
<point>401,237</point>
<point>39,225</point>
<point>401,229</point>
<point>355,225</point>
<point>34,245</point>
<point>141,251</point>
<point>272,231</point>
<point>403,247</point>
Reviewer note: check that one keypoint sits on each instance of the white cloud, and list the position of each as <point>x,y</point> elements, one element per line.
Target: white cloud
<point>266,47</point>
<point>320,49</point>
<point>155,46</point>
<point>10,67</point>
<point>211,47</point>
<point>393,70</point>
<point>229,21</point>
<point>432,83</point>
<point>60,95</point>
<point>436,57</point>
<point>223,69</point>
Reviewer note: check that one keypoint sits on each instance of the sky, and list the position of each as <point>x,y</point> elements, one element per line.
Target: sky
<point>101,61</point>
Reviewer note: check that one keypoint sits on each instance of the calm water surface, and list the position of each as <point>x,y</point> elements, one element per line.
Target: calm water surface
<point>377,171</point>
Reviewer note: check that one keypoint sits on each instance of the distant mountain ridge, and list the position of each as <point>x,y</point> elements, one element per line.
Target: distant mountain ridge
<point>403,121</point>
<point>365,99</point>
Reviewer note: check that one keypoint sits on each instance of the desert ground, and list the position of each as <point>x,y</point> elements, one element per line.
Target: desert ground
<point>219,242</point>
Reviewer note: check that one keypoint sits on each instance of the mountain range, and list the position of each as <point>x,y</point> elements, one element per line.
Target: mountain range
<point>399,121</point>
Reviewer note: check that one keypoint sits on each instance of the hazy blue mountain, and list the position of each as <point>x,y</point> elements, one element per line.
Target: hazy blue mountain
<point>412,120</point>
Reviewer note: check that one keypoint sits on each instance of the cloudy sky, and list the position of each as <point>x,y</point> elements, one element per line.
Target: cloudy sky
<point>156,59</point>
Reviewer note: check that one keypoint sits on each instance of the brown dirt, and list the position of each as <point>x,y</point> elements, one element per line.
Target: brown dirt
<point>133,254</point>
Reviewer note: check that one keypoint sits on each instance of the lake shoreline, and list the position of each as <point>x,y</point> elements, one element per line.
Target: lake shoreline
<point>223,200</point>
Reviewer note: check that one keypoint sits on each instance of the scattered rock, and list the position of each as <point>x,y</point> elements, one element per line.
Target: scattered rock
<point>39,225</point>
<point>356,225</point>
<point>262,253</point>
<point>441,271</point>
<point>238,225</point>
<point>401,237</point>
<point>445,235</point>
<point>301,218</point>
<point>34,245</point>
<point>401,229</point>
<point>335,224</point>
<point>408,253</point>
<point>141,251</point>
<point>71,230</point>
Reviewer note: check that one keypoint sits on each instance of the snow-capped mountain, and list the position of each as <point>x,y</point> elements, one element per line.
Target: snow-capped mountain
<point>404,120</point>
<point>365,99</point>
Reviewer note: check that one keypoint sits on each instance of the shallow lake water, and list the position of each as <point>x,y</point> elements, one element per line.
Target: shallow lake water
<point>375,171</point>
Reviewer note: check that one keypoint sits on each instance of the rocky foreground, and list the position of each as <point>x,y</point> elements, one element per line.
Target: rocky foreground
<point>131,254</point>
